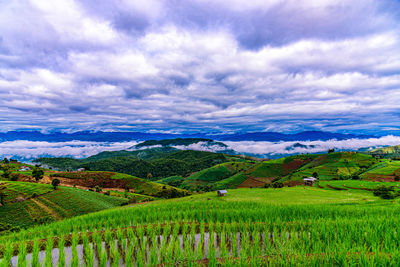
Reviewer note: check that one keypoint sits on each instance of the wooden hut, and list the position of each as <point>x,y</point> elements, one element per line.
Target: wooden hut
<point>309,181</point>
<point>222,193</point>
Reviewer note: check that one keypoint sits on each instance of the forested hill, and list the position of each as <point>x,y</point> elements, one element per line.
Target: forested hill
<point>143,163</point>
<point>179,142</point>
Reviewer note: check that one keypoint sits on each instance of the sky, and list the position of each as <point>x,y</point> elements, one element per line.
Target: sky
<point>200,65</point>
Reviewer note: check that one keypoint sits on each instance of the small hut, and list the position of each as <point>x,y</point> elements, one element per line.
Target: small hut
<point>309,181</point>
<point>222,193</point>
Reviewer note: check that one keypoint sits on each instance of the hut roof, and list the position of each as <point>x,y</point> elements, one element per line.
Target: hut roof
<point>222,191</point>
<point>310,179</point>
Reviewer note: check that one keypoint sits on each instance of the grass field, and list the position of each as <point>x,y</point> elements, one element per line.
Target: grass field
<point>296,226</point>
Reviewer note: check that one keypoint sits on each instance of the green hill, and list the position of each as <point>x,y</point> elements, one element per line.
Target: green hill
<point>207,179</point>
<point>392,152</point>
<point>27,204</point>
<point>160,163</point>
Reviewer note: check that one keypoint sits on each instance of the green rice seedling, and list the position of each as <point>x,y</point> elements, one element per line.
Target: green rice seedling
<point>129,253</point>
<point>87,251</point>
<point>22,255</point>
<point>74,244</point>
<point>6,261</point>
<point>35,253</point>
<point>61,258</point>
<point>49,248</point>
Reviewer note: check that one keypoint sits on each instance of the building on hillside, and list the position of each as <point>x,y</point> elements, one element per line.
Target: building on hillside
<point>309,181</point>
<point>222,193</point>
<point>81,169</point>
<point>24,169</point>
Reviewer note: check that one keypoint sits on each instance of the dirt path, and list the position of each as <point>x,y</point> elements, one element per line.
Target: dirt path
<point>47,209</point>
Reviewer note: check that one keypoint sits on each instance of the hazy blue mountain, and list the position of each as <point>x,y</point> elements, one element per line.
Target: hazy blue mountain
<point>129,136</point>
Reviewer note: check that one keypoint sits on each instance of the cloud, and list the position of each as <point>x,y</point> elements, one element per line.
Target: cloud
<point>199,65</point>
<point>28,150</point>
<point>272,148</point>
<point>77,149</point>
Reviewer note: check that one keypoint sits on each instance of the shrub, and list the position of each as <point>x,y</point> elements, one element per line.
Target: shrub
<point>55,183</point>
<point>98,189</point>
<point>397,178</point>
<point>277,185</point>
<point>14,177</point>
<point>385,192</point>
<point>107,193</point>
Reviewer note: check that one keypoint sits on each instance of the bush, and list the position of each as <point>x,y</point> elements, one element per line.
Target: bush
<point>277,185</point>
<point>14,177</point>
<point>385,192</point>
<point>267,185</point>
<point>55,183</point>
<point>107,193</point>
<point>397,178</point>
<point>98,189</point>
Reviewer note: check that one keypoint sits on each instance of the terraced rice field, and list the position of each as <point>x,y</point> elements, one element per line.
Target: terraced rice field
<point>302,226</point>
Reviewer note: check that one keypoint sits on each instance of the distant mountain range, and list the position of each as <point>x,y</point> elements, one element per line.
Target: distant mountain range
<point>139,136</point>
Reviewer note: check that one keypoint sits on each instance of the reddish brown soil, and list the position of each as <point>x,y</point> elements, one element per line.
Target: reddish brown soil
<point>294,165</point>
<point>379,177</point>
<point>251,182</point>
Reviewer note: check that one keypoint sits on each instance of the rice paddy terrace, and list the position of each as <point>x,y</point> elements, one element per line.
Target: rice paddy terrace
<point>26,204</point>
<point>291,226</point>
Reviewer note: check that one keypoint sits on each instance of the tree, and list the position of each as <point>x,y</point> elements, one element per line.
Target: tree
<point>5,160</point>
<point>6,171</point>
<point>331,150</point>
<point>55,183</point>
<point>37,173</point>
<point>149,176</point>
<point>385,192</point>
<point>315,174</point>
<point>2,197</point>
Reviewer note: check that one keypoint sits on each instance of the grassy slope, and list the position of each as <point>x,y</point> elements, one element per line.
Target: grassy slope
<point>221,175</point>
<point>279,167</point>
<point>49,204</point>
<point>383,169</point>
<point>334,165</point>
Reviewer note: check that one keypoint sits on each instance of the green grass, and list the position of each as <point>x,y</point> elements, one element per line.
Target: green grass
<point>231,182</point>
<point>224,174</point>
<point>356,184</point>
<point>130,196</point>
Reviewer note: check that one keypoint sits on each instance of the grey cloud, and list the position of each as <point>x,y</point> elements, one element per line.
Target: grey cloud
<point>200,65</point>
